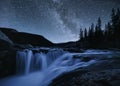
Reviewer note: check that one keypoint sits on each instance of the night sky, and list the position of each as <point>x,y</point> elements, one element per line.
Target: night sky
<point>57,20</point>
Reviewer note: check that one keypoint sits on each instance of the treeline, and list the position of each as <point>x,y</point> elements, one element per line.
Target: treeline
<point>96,37</point>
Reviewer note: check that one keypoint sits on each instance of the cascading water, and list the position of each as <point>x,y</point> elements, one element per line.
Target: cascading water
<point>64,63</point>
<point>24,60</point>
<point>41,61</point>
<point>48,66</point>
<point>28,62</point>
<point>53,54</point>
<point>29,57</point>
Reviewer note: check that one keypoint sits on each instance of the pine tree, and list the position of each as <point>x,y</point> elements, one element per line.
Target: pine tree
<point>99,23</point>
<point>117,30</point>
<point>91,36</point>
<point>115,21</point>
<point>85,33</point>
<point>95,37</point>
<point>98,34</point>
<point>81,34</point>
<point>108,35</point>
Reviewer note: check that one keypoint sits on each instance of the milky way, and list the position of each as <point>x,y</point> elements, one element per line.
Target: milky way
<point>57,20</point>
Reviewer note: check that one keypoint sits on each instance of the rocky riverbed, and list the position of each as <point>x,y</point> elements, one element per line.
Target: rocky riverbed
<point>105,72</point>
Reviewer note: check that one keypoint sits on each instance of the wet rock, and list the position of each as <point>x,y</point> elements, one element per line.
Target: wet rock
<point>7,63</point>
<point>4,45</point>
<point>105,72</point>
<point>23,46</point>
<point>74,50</point>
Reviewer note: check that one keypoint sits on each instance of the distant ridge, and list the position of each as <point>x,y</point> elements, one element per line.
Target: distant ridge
<point>25,38</point>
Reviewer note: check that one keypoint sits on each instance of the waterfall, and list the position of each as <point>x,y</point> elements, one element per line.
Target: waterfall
<point>53,54</point>
<point>29,57</point>
<point>41,61</point>
<point>24,60</point>
<point>50,64</point>
<point>28,62</point>
<point>64,63</point>
<point>38,68</point>
<point>20,60</point>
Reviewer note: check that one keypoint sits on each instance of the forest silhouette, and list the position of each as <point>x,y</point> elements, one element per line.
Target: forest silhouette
<point>96,37</point>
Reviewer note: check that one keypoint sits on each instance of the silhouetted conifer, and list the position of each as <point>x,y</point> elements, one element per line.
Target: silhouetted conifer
<point>95,37</point>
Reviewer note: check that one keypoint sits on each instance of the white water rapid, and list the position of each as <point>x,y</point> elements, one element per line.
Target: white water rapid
<point>39,69</point>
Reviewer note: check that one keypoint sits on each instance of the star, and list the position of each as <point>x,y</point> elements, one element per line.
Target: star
<point>61,18</point>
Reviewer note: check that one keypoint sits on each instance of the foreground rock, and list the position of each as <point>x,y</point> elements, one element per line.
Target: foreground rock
<point>7,56</point>
<point>105,72</point>
<point>7,63</point>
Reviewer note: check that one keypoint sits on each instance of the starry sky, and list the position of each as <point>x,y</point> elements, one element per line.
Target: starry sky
<point>57,20</point>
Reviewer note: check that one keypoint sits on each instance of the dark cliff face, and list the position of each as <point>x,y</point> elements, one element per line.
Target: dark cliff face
<point>26,38</point>
<point>7,62</point>
<point>7,59</point>
<point>7,56</point>
<point>4,45</point>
